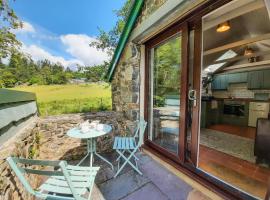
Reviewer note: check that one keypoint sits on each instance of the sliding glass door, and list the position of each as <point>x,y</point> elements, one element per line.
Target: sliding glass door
<point>166,94</point>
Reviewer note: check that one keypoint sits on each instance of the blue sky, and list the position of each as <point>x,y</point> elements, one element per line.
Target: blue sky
<point>61,30</point>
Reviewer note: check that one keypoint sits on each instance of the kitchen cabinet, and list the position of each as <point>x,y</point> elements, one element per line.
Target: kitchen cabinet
<point>237,77</point>
<point>220,82</point>
<point>259,80</point>
<point>266,79</point>
<point>255,80</point>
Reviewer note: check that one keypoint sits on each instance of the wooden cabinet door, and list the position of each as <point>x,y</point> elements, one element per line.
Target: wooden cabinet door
<point>266,79</point>
<point>237,77</point>
<point>223,82</point>
<point>216,83</point>
<point>255,80</point>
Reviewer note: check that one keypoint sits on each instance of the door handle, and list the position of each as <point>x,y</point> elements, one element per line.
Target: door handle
<point>192,96</point>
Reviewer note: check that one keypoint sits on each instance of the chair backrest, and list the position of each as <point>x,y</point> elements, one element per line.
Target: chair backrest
<point>27,168</point>
<point>21,170</point>
<point>140,130</point>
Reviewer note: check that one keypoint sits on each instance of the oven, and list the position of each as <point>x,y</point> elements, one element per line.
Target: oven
<point>235,108</point>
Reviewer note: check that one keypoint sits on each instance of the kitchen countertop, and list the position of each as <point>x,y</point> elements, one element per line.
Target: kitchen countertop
<point>241,99</point>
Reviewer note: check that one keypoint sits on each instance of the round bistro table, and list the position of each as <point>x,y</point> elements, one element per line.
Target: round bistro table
<point>91,137</point>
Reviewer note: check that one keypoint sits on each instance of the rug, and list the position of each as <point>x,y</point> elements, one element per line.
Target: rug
<point>234,145</point>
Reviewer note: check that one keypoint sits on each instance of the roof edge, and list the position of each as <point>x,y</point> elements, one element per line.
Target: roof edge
<point>135,11</point>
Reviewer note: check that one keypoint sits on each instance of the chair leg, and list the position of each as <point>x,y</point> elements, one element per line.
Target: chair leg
<point>127,161</point>
<point>120,156</point>
<point>134,155</point>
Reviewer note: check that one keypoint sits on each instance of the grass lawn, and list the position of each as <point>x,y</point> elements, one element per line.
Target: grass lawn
<point>60,99</point>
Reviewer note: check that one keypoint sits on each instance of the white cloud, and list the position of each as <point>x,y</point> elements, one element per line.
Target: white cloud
<point>26,28</point>
<point>78,46</point>
<point>37,53</point>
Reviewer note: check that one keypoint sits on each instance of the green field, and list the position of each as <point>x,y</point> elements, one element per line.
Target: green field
<point>61,99</point>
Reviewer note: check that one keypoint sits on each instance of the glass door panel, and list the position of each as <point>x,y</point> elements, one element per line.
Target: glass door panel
<point>165,87</point>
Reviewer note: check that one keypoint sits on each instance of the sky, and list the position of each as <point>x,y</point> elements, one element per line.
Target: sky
<point>61,30</point>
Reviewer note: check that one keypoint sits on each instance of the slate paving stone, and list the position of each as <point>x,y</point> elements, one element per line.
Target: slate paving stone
<point>147,192</point>
<point>167,182</point>
<point>122,186</point>
<point>157,183</point>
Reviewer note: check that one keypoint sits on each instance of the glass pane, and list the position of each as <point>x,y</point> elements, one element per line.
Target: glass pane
<point>235,94</point>
<point>165,93</point>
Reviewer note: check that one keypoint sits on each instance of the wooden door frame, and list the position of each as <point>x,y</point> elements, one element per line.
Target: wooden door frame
<point>163,37</point>
<point>193,21</point>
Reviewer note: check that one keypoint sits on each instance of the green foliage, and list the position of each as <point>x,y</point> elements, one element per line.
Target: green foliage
<point>8,21</point>
<point>167,61</point>
<point>96,73</point>
<point>8,79</point>
<point>107,41</point>
<point>159,101</point>
<point>23,70</point>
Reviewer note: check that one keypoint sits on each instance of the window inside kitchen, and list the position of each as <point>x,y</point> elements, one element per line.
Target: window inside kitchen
<point>235,74</point>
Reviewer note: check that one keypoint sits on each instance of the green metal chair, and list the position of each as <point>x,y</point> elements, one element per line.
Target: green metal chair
<point>129,145</point>
<point>68,182</point>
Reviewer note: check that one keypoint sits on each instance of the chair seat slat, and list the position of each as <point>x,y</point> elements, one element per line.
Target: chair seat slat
<point>123,143</point>
<point>82,168</point>
<point>128,143</point>
<point>119,143</point>
<point>63,183</point>
<point>115,143</point>
<point>60,189</point>
<point>82,173</point>
<point>131,141</point>
<point>74,178</point>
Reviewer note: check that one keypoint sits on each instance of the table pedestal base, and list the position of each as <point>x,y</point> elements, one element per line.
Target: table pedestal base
<point>91,151</point>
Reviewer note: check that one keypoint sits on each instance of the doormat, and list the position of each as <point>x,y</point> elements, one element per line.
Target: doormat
<point>233,145</point>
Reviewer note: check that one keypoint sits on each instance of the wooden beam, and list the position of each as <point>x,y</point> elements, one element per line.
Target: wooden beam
<point>237,44</point>
<point>265,62</point>
<point>241,10</point>
<point>242,57</point>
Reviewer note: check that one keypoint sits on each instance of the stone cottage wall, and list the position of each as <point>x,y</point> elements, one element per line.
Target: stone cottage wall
<point>46,139</point>
<point>126,80</point>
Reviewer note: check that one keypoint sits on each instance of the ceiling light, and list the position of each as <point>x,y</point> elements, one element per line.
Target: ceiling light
<point>225,26</point>
<point>248,51</point>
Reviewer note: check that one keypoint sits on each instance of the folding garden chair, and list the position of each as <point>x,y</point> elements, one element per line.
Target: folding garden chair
<point>129,146</point>
<point>68,182</point>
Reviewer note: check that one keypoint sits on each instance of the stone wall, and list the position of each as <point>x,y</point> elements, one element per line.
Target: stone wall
<point>46,139</point>
<point>126,80</point>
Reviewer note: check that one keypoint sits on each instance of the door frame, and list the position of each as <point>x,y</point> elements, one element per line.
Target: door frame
<point>164,36</point>
<point>193,21</point>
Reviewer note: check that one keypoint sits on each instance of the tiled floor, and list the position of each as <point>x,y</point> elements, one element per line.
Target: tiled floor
<point>248,132</point>
<point>245,175</point>
<point>242,174</point>
<point>157,183</point>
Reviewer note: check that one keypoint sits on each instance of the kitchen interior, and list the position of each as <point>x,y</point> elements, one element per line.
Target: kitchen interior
<point>235,96</point>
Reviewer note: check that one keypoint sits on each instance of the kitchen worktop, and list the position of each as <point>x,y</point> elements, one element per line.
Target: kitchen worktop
<point>240,99</point>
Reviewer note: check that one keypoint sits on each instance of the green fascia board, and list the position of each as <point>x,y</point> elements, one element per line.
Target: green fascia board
<point>134,13</point>
<point>12,96</point>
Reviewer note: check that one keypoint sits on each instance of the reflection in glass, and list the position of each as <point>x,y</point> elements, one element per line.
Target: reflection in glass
<point>165,93</point>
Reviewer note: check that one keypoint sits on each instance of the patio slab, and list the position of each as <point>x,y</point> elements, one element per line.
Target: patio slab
<point>156,183</point>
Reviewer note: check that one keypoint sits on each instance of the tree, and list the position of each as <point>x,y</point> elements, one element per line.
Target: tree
<point>8,21</point>
<point>95,73</point>
<point>107,41</point>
